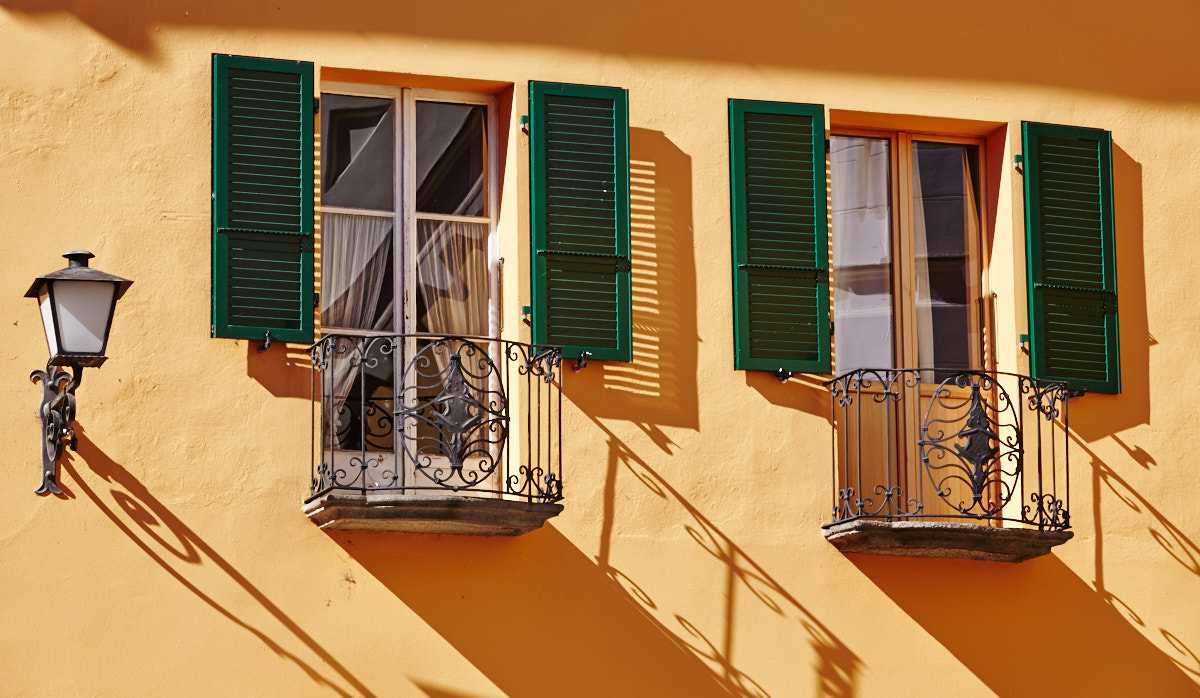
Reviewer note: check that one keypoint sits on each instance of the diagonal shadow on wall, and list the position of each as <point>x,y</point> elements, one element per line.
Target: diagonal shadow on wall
<point>533,614</point>
<point>835,666</point>
<point>1096,416</point>
<point>167,541</point>
<point>1028,628</point>
<point>1107,483</point>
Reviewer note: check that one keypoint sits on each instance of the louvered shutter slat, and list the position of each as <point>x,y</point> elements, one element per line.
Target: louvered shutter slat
<point>262,198</point>
<point>781,290</point>
<point>579,157</point>
<point>1072,270</point>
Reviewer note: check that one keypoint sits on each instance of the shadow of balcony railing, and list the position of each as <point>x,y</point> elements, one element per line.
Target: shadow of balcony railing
<point>977,447</point>
<point>421,414</point>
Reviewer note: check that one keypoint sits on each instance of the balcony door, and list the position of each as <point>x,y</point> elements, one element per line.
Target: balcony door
<point>908,276</point>
<point>408,258</point>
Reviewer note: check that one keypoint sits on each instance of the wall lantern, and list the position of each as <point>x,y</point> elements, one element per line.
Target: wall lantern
<point>77,305</point>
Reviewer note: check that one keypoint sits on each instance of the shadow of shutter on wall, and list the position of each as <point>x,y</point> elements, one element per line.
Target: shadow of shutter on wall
<point>262,198</point>
<point>1072,271</point>
<point>781,283</point>
<point>579,178</point>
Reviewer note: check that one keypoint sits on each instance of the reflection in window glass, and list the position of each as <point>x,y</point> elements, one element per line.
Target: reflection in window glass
<point>861,207</point>
<point>945,218</point>
<point>357,151</point>
<point>451,158</point>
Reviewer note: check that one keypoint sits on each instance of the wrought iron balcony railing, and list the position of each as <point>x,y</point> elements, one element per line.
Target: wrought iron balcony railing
<point>936,445</point>
<point>418,413</point>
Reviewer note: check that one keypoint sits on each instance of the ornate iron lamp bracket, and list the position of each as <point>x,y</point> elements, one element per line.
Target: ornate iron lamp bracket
<point>57,412</point>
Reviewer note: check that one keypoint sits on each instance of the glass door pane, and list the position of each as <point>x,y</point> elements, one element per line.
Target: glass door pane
<point>452,277</point>
<point>945,220</point>
<point>451,176</point>
<point>861,205</point>
<point>453,416</point>
<point>358,146</point>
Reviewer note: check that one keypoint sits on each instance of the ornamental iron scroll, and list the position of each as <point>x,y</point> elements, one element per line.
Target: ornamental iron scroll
<point>979,446</point>
<point>57,412</point>
<point>422,413</point>
<point>452,414</point>
<point>969,440</point>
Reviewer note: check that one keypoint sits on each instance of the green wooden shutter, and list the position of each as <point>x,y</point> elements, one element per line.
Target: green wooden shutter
<point>1070,249</point>
<point>262,250</point>
<point>579,200</point>
<point>780,263</point>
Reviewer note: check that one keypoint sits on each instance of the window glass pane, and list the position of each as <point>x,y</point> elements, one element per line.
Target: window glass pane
<point>356,272</point>
<point>452,277</point>
<point>357,152</point>
<point>861,207</point>
<point>451,158</point>
<point>945,218</point>
<point>358,385</point>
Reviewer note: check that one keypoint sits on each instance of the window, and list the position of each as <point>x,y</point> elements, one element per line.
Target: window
<point>407,248</point>
<point>907,252</point>
<point>419,393</point>
<point>407,211</point>
<point>924,427</point>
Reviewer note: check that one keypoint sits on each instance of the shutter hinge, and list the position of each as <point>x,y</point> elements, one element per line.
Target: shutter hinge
<point>1019,163</point>
<point>831,328</point>
<point>525,124</point>
<point>316,105</point>
<point>622,264</point>
<point>827,145</point>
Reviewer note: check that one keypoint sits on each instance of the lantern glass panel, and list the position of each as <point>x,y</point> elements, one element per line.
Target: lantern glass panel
<point>83,314</point>
<point>48,320</point>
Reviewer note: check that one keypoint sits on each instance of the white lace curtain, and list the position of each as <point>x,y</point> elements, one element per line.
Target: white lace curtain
<point>355,256</point>
<point>452,278</point>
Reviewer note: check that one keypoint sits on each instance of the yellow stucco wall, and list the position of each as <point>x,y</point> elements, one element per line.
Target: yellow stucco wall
<point>689,559</point>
